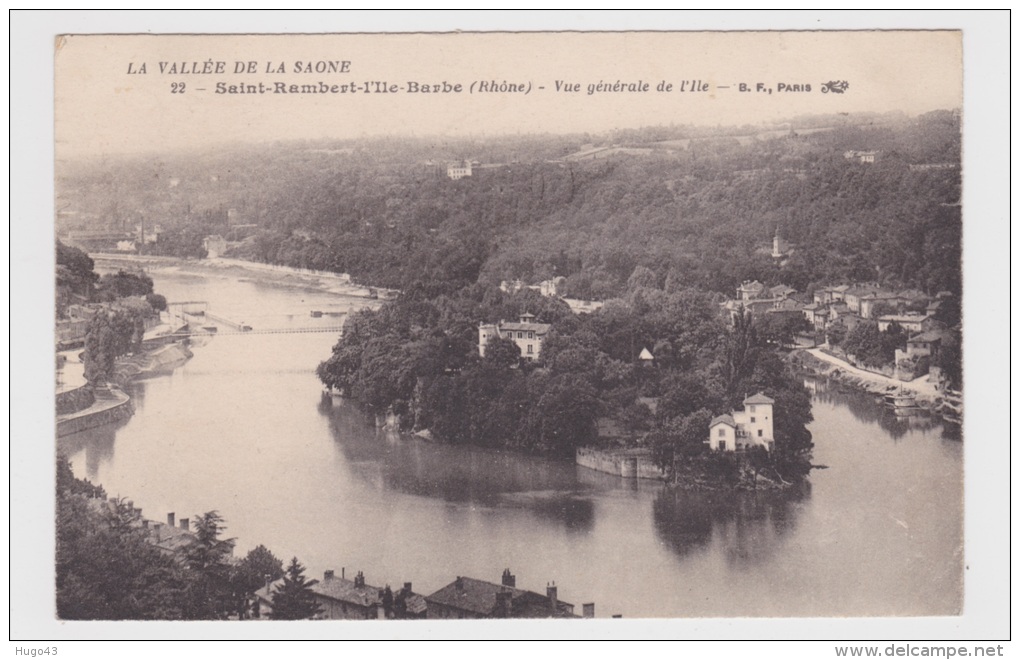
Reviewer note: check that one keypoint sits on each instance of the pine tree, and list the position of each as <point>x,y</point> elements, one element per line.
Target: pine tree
<point>294,599</point>
<point>208,558</point>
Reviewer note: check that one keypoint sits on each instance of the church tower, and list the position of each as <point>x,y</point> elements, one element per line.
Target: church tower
<point>779,247</point>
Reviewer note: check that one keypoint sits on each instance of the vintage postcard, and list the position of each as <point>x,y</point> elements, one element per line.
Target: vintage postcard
<point>562,325</point>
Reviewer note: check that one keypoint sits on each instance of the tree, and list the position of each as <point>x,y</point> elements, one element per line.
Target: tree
<point>258,567</point>
<point>75,276</point>
<point>156,301</point>
<point>109,335</point>
<point>208,557</point>
<point>100,349</point>
<point>122,285</point>
<point>105,567</point>
<point>563,417</point>
<point>740,353</point>
<point>950,360</point>
<point>678,441</point>
<point>502,352</point>
<point>294,598</point>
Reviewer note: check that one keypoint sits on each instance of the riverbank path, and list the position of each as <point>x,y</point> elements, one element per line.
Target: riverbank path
<point>919,385</point>
<point>106,398</point>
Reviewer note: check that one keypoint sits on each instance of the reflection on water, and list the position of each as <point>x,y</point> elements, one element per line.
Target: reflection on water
<point>242,428</point>
<point>466,475</point>
<point>868,408</point>
<point>95,445</point>
<point>748,525</point>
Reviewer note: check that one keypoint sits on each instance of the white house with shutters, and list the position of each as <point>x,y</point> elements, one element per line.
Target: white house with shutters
<point>745,428</point>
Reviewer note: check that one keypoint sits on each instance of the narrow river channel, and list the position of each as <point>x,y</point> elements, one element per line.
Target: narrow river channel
<point>242,428</point>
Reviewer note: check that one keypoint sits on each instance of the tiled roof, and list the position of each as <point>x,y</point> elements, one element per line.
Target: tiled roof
<point>930,336</point>
<point>537,328</point>
<point>904,318</point>
<point>758,398</point>
<point>335,588</point>
<point>473,595</point>
<point>479,597</point>
<point>723,419</point>
<point>345,591</point>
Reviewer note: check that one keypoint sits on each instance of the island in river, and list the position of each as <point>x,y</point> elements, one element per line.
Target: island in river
<point>241,428</point>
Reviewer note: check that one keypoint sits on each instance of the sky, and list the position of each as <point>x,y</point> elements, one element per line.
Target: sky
<point>103,106</point>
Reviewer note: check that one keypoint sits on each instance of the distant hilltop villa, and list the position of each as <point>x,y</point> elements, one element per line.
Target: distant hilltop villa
<point>527,334</point>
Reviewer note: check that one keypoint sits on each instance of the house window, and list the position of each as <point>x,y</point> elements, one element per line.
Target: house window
<point>520,335</point>
<point>531,349</point>
<point>722,433</point>
<point>760,433</point>
<point>531,335</point>
<point>752,410</point>
<point>752,420</point>
<point>722,445</point>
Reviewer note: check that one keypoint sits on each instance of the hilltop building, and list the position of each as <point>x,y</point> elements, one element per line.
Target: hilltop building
<point>456,171</point>
<point>780,248</point>
<point>744,429</point>
<point>864,157</point>
<point>527,334</point>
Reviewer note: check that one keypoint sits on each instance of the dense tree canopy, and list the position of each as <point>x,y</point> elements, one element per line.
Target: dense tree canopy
<point>699,209</point>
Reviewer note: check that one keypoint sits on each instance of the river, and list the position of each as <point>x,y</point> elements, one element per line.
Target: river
<point>242,428</point>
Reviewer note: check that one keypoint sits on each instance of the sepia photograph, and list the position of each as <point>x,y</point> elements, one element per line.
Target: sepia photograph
<point>423,327</point>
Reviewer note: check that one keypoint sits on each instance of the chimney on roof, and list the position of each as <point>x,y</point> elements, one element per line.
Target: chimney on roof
<point>407,587</point>
<point>459,583</point>
<point>550,591</point>
<point>588,610</point>
<point>328,575</point>
<point>170,519</point>
<point>145,523</point>
<point>359,579</point>
<point>508,579</point>
<point>343,572</point>
<point>185,524</point>
<point>504,604</point>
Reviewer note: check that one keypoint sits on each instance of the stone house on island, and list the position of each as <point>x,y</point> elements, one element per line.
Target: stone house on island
<point>743,429</point>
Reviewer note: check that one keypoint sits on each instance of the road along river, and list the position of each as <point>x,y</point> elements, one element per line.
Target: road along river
<point>242,428</point>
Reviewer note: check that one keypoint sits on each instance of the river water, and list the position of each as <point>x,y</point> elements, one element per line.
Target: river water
<point>242,428</point>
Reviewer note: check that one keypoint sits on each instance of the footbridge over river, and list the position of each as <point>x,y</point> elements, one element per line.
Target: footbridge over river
<point>200,321</point>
